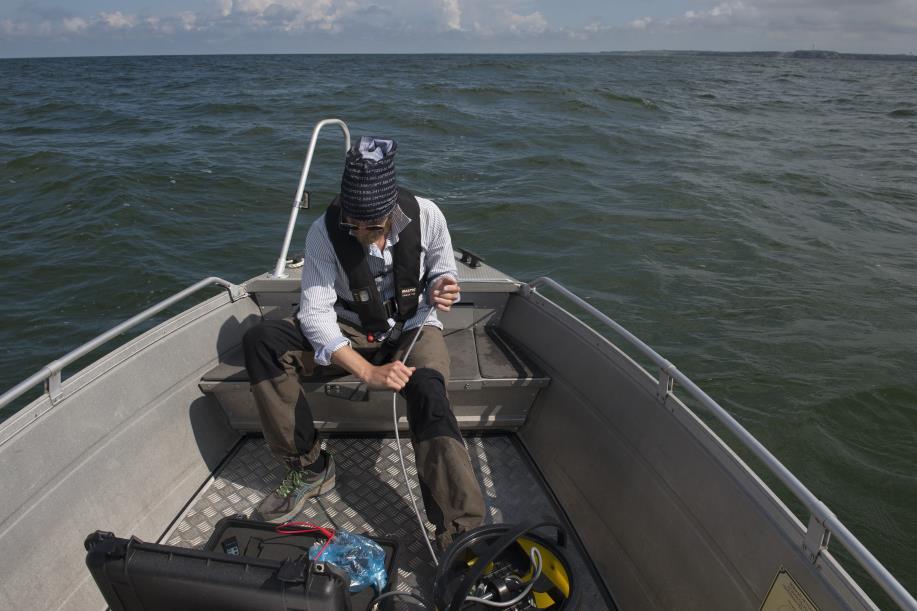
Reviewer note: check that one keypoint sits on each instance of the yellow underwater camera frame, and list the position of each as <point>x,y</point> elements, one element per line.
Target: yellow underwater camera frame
<point>477,560</point>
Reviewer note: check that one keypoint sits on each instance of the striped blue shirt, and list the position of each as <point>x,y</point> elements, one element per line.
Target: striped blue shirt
<point>324,280</point>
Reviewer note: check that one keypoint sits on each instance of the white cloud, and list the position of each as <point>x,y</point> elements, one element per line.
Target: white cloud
<point>641,24</point>
<point>253,6</point>
<point>533,23</point>
<point>118,20</point>
<point>188,20</point>
<point>724,14</point>
<point>490,18</point>
<point>224,7</point>
<point>453,14</point>
<point>846,17</point>
<point>74,24</point>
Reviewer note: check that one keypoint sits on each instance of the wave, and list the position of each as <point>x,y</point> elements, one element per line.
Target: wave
<point>491,63</point>
<point>577,105</point>
<point>900,113</point>
<point>841,100</point>
<point>554,162</point>
<point>32,130</point>
<point>452,88</point>
<point>733,107</point>
<point>125,123</point>
<point>55,107</point>
<point>612,96</point>
<point>203,128</point>
<point>258,130</point>
<point>221,108</point>
<point>34,160</point>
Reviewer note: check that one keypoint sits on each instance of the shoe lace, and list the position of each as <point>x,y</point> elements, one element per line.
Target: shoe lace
<point>295,478</point>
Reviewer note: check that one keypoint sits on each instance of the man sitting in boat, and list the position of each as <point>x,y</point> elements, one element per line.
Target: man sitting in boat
<point>375,264</point>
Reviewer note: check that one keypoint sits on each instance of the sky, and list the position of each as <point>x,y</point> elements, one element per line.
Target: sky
<point>131,27</point>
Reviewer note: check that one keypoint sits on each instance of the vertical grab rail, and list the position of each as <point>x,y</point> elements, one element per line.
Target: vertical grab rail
<point>297,200</point>
<point>823,524</point>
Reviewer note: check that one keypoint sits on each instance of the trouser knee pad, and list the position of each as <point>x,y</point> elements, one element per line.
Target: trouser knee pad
<point>429,413</point>
<point>260,347</point>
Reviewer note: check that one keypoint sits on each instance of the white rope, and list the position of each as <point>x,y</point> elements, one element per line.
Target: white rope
<point>404,469</point>
<point>535,554</point>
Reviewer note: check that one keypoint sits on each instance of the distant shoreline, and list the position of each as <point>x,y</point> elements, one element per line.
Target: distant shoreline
<point>813,54</point>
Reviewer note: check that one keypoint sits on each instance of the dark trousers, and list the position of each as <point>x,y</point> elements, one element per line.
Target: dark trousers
<point>277,356</point>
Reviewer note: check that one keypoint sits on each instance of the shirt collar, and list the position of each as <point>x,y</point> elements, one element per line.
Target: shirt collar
<point>400,220</point>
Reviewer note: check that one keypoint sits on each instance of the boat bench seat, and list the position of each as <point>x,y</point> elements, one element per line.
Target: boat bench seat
<point>492,385</point>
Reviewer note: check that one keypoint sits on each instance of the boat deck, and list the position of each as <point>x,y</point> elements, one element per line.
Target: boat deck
<point>370,497</point>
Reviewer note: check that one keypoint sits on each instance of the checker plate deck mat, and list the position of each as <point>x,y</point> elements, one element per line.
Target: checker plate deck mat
<point>370,497</point>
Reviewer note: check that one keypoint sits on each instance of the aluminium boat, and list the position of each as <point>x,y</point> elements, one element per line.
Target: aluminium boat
<point>583,423</point>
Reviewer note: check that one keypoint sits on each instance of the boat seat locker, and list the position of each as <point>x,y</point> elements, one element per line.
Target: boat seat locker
<point>487,371</point>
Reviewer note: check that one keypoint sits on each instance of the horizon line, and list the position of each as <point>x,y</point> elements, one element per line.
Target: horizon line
<point>420,53</point>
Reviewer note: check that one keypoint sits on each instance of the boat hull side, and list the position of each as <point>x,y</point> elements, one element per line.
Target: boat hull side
<point>671,516</point>
<point>132,439</point>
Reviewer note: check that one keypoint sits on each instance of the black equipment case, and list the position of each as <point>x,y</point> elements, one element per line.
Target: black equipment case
<point>253,539</point>
<point>138,576</point>
<point>245,566</point>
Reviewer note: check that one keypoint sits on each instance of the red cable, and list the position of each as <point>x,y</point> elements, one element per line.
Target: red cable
<point>305,528</point>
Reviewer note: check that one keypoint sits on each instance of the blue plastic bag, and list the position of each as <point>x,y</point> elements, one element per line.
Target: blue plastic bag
<point>362,558</point>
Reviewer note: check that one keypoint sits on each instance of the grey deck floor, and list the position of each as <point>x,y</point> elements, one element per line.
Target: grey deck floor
<point>370,497</point>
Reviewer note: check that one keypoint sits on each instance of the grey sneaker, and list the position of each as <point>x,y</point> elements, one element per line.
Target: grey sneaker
<point>297,487</point>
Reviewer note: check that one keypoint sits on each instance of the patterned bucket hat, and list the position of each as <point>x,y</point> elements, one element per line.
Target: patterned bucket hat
<point>368,187</point>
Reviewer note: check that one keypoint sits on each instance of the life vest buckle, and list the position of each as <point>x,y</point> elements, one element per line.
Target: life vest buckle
<point>391,335</point>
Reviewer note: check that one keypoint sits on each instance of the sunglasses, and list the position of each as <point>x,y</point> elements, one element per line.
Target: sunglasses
<point>352,227</point>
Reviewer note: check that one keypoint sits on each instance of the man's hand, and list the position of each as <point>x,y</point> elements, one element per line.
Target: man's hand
<point>392,376</point>
<point>444,292</point>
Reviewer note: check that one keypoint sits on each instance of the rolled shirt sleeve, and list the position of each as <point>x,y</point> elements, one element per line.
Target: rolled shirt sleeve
<point>317,317</point>
<point>440,259</point>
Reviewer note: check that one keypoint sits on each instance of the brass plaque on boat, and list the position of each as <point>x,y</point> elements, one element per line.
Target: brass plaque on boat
<point>786,595</point>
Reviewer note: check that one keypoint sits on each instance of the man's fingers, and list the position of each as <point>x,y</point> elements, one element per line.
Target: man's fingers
<point>398,375</point>
<point>445,293</point>
<point>449,289</point>
<point>443,304</point>
<point>399,366</point>
<point>444,301</point>
<point>393,376</point>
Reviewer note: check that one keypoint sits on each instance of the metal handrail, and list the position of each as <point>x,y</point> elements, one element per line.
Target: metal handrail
<point>823,523</point>
<point>297,200</point>
<point>52,371</point>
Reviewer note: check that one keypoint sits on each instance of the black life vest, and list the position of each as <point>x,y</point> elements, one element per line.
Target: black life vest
<point>367,302</point>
